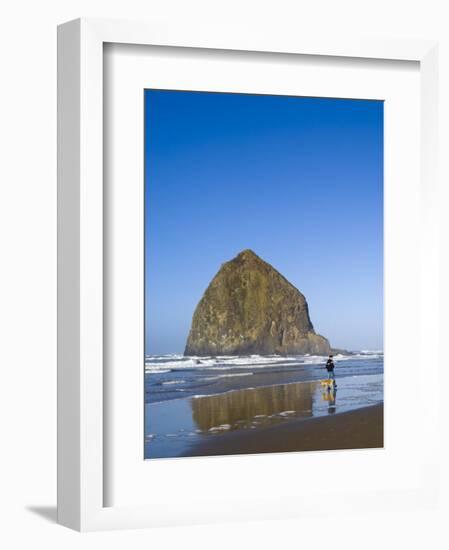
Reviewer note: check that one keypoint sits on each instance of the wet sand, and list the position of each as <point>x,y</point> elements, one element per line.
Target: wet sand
<point>357,429</point>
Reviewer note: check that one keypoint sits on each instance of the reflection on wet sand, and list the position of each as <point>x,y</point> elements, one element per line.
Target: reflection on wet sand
<point>330,395</point>
<point>234,409</point>
<point>193,426</point>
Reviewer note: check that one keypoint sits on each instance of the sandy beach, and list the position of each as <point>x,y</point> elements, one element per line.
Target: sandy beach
<point>261,404</point>
<point>357,429</point>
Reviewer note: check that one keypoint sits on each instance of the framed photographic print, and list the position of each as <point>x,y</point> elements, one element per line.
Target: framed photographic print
<point>245,226</point>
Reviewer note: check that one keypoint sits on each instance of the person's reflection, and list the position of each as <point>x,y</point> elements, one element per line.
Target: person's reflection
<point>330,395</point>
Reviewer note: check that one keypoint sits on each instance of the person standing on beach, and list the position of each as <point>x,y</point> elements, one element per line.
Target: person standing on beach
<point>330,367</point>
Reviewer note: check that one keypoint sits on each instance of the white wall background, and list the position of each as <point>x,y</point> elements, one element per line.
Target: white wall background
<point>28,270</point>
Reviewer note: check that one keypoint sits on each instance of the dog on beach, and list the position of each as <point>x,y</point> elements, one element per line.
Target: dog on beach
<point>328,382</point>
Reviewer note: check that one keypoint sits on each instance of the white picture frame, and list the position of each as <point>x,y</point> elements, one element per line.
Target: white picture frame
<point>81,397</point>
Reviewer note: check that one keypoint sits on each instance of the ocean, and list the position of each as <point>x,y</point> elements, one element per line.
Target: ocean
<point>190,398</point>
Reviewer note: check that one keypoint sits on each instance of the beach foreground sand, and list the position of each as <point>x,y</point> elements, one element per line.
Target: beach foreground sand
<point>358,429</point>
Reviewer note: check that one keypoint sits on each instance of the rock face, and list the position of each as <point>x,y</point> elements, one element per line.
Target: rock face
<point>250,308</point>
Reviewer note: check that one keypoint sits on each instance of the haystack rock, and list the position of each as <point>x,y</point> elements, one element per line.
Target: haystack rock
<point>250,308</point>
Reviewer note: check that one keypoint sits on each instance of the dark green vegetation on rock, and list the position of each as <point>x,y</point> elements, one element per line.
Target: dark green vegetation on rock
<point>250,308</point>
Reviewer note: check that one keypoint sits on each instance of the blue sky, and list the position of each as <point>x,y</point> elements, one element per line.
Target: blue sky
<point>298,180</point>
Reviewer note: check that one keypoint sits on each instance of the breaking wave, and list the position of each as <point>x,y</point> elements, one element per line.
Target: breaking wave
<point>167,363</point>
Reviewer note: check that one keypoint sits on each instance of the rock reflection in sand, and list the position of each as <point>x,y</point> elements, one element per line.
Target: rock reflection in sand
<point>253,406</point>
<point>175,426</point>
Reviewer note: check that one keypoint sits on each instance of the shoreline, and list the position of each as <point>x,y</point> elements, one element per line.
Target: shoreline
<point>356,429</point>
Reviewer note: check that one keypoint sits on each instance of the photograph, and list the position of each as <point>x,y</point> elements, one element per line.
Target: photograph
<point>218,220</point>
<point>264,284</point>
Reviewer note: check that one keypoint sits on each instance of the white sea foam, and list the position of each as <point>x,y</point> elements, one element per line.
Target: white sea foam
<point>220,428</point>
<point>174,363</point>
<point>361,355</point>
<point>155,370</point>
<point>167,363</point>
<point>181,362</point>
<point>257,360</point>
<point>208,378</point>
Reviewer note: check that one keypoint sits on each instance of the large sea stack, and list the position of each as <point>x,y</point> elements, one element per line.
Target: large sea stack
<point>250,308</point>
